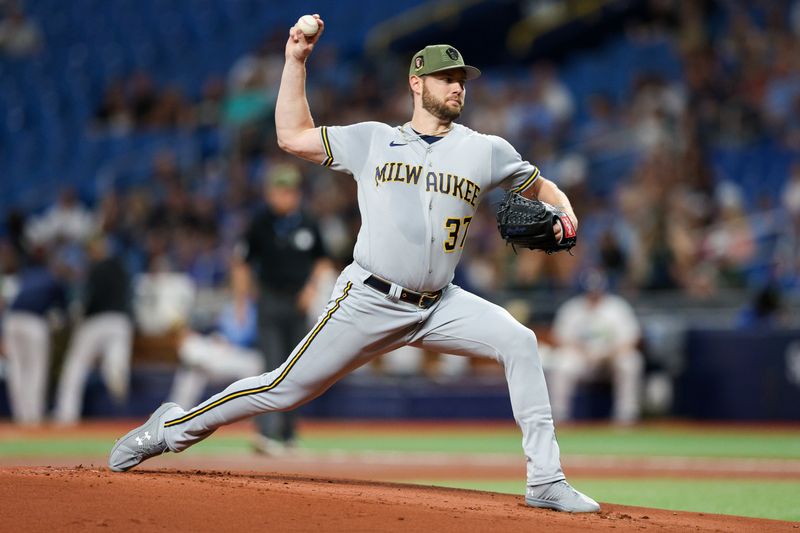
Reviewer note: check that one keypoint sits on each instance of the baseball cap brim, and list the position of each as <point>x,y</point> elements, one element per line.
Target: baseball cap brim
<point>438,58</point>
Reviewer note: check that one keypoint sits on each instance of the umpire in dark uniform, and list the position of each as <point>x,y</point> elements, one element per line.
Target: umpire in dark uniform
<point>286,253</point>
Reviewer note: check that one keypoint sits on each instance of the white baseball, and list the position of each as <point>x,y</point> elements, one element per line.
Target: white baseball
<point>308,25</point>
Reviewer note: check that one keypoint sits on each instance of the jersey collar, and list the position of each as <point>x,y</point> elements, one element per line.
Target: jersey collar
<point>409,135</point>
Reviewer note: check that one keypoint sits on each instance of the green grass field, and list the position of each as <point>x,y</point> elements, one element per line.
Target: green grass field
<point>745,496</point>
<point>775,499</point>
<point>606,441</point>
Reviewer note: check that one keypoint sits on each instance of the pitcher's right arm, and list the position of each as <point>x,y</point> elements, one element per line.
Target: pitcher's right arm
<point>293,122</point>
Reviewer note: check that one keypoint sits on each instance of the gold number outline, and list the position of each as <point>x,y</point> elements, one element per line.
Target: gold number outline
<point>453,226</point>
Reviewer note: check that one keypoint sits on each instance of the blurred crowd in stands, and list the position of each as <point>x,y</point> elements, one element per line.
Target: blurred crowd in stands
<point>642,169</point>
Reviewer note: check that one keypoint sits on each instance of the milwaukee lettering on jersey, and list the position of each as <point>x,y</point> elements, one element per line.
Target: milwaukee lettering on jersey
<point>441,182</point>
<point>397,172</point>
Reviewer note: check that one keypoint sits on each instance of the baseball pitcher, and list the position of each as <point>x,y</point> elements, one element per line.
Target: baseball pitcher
<point>418,187</point>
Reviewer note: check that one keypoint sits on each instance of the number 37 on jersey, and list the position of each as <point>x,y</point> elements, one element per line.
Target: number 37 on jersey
<point>456,229</point>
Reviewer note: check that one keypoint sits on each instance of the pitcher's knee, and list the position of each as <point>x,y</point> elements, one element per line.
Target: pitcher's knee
<point>290,398</point>
<point>280,401</point>
<point>291,406</point>
<point>520,342</point>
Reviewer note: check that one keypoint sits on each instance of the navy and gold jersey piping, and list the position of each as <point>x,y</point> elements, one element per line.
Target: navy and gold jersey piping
<point>528,182</point>
<point>277,381</point>
<point>326,144</point>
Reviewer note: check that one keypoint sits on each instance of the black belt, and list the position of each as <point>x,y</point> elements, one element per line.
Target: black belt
<point>420,299</point>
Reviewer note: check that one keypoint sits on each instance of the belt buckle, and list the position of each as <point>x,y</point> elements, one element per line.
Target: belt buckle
<point>431,296</point>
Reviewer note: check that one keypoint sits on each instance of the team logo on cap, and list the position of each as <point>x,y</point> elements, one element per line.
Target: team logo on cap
<point>452,53</point>
<point>418,62</point>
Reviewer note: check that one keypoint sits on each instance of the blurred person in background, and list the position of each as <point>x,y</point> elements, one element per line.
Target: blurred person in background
<point>248,106</point>
<point>9,273</point>
<point>596,335</point>
<point>544,106</point>
<point>26,336</point>
<point>208,110</point>
<point>787,253</point>
<point>171,110</point>
<point>67,220</point>
<point>19,35</point>
<point>603,133</point>
<point>284,247</point>
<point>227,353</point>
<point>105,333</point>
<point>9,286</point>
<point>163,298</point>
<point>113,116</point>
<point>143,98</point>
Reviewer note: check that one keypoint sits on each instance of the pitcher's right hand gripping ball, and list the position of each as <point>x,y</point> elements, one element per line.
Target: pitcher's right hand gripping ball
<point>529,224</point>
<point>300,44</point>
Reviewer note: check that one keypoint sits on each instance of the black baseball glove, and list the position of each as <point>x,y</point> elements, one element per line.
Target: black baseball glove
<point>529,224</point>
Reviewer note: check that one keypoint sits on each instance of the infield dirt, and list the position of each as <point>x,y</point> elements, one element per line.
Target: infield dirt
<point>92,498</point>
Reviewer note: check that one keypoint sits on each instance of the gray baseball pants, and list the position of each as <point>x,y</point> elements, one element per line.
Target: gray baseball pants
<point>361,323</point>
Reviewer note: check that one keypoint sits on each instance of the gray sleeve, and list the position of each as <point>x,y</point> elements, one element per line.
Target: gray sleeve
<point>347,147</point>
<point>509,170</point>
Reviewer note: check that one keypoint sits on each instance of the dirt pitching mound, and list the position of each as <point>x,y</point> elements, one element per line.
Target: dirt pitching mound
<point>80,499</point>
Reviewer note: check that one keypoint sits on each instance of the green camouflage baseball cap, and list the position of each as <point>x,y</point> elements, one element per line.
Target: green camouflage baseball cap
<point>439,57</point>
<point>284,175</point>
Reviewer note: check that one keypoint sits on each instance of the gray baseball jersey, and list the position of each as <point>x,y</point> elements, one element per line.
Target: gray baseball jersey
<point>417,201</point>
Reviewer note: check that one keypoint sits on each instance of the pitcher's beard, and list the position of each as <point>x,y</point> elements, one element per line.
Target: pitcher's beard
<point>438,108</point>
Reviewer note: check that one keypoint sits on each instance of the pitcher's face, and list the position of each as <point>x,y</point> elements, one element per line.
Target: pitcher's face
<point>443,93</point>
